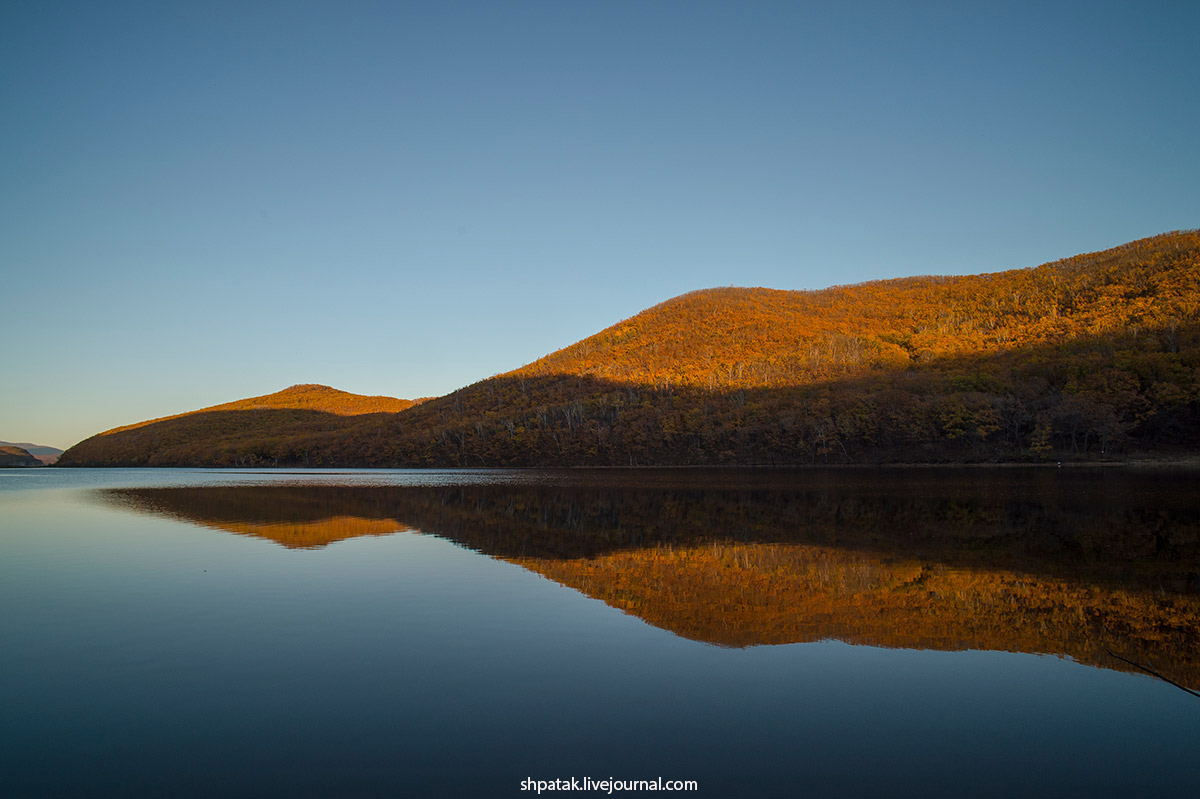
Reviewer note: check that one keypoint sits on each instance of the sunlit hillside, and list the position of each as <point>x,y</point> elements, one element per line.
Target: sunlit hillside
<point>308,397</point>
<point>234,433</point>
<point>750,338</point>
<point>1093,357</point>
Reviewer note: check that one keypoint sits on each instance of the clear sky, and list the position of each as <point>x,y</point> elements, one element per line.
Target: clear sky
<point>201,202</point>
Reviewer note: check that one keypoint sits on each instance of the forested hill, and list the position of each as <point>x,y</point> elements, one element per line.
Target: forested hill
<point>232,433</point>
<point>749,338</point>
<point>1094,357</point>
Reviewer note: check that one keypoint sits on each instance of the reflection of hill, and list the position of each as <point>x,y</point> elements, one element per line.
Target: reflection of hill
<point>745,594</point>
<point>312,535</point>
<point>1047,561</point>
<point>296,519</point>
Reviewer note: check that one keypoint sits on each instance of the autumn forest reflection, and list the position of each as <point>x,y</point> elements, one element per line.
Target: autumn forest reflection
<point>1102,566</point>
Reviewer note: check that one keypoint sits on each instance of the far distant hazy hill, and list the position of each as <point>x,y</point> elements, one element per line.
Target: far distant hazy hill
<point>16,456</point>
<point>46,455</point>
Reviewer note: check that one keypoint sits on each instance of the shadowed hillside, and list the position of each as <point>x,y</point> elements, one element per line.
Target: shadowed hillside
<point>1093,357</point>
<point>1048,561</point>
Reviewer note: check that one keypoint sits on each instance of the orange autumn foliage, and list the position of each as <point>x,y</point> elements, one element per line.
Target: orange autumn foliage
<point>1093,357</point>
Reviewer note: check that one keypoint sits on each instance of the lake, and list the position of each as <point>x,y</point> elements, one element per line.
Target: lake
<point>882,632</point>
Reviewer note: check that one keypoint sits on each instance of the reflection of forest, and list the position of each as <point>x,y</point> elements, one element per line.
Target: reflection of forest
<point>1066,562</point>
<point>297,518</point>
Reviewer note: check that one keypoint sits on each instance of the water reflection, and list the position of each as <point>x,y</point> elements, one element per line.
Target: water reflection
<point>1102,567</point>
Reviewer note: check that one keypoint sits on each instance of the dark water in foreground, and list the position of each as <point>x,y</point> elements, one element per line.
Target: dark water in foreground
<point>765,633</point>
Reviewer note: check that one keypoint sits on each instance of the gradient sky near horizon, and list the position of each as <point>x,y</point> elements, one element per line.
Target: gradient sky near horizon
<point>201,202</point>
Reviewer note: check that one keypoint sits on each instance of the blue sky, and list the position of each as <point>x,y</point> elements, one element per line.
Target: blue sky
<point>203,202</point>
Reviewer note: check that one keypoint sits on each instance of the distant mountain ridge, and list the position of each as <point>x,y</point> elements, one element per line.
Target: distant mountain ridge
<point>1091,357</point>
<point>17,456</point>
<point>46,455</point>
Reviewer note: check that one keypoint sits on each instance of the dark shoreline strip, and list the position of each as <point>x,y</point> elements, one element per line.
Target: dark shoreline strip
<point>1152,672</point>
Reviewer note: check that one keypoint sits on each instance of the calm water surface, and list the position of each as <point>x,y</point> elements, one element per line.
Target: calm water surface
<point>766,633</point>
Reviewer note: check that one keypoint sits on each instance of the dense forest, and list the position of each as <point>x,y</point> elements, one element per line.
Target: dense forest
<point>1047,561</point>
<point>1094,357</point>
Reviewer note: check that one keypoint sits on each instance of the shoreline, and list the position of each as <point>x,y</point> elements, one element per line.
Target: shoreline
<point>1186,462</point>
